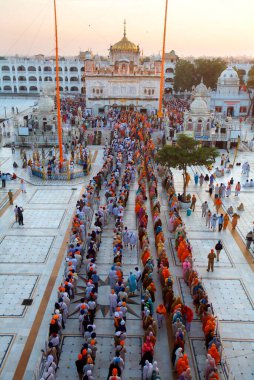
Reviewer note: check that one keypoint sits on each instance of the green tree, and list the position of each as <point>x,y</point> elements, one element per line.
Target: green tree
<point>241,74</point>
<point>184,75</point>
<point>209,70</point>
<point>186,152</point>
<point>250,89</point>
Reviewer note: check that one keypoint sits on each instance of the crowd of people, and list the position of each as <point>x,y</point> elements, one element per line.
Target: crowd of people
<point>200,298</point>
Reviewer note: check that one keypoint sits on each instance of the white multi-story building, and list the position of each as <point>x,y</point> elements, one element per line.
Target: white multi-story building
<point>28,75</point>
<point>125,64</point>
<point>170,64</point>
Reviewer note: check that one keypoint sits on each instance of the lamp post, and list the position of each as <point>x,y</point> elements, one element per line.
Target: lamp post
<point>58,103</point>
<point>160,114</point>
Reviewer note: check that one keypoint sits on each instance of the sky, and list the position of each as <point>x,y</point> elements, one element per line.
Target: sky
<point>194,27</point>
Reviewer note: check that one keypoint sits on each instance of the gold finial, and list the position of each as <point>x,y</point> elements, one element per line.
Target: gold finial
<point>124,28</point>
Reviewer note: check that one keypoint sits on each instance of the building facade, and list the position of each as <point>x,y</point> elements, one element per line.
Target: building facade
<point>126,79</point>
<point>125,76</point>
<point>28,75</point>
<point>229,99</point>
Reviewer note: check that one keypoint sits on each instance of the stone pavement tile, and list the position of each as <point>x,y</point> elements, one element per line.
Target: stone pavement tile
<point>199,354</point>
<point>25,249</point>
<point>192,223</point>
<point>3,195</point>
<point>230,299</point>
<point>130,257</point>
<point>5,345</point>
<point>71,348</point>
<point>52,196</point>
<point>200,250</point>
<point>239,355</point>
<point>14,289</point>
<point>39,219</point>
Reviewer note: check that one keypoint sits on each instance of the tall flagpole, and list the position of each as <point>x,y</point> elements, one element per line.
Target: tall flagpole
<point>58,103</point>
<point>160,114</point>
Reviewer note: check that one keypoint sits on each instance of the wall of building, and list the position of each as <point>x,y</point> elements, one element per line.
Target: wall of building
<point>27,76</point>
<point>137,91</point>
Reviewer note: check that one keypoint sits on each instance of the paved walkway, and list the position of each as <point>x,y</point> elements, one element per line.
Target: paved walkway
<point>230,287</point>
<point>72,341</point>
<point>27,256</point>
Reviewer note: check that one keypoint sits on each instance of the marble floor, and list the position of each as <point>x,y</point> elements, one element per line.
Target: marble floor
<point>28,254</point>
<point>230,287</point>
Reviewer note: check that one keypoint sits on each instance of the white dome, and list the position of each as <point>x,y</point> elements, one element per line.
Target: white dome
<point>199,106</point>
<point>201,89</point>
<point>229,76</point>
<point>46,104</point>
<point>49,88</point>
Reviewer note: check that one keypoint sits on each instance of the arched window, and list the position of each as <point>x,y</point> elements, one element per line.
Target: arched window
<point>60,88</point>
<point>169,80</point>
<point>60,79</point>
<point>33,89</point>
<point>47,68</point>
<point>93,90</point>
<point>101,90</point>
<point>7,88</point>
<point>48,79</point>
<point>5,68</point>
<point>66,79</point>
<point>32,79</point>
<point>97,91</point>
<point>145,91</point>
<point>22,79</point>
<point>82,69</point>
<point>152,92</point>
<point>74,79</point>
<point>199,125</point>
<point>21,68</point>
<point>73,68</point>
<point>149,92</point>
<point>23,88</point>
<point>169,70</point>
<point>31,68</point>
<point>189,125</point>
<point>6,77</point>
<point>59,69</point>
<point>74,89</point>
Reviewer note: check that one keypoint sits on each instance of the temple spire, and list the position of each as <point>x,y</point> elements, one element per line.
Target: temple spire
<point>124,28</point>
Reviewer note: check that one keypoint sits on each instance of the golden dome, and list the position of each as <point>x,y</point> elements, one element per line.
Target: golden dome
<point>125,44</point>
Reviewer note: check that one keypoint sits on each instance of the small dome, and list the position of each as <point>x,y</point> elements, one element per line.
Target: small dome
<point>229,76</point>
<point>201,89</point>
<point>46,104</point>
<point>49,88</point>
<point>199,106</point>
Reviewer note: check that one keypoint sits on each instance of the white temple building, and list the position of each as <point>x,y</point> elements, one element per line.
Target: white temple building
<point>229,99</point>
<point>197,121</point>
<point>127,80</point>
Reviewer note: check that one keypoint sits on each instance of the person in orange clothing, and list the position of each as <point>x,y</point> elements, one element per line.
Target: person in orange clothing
<point>161,312</point>
<point>225,223</point>
<point>218,203</point>
<point>235,218</point>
